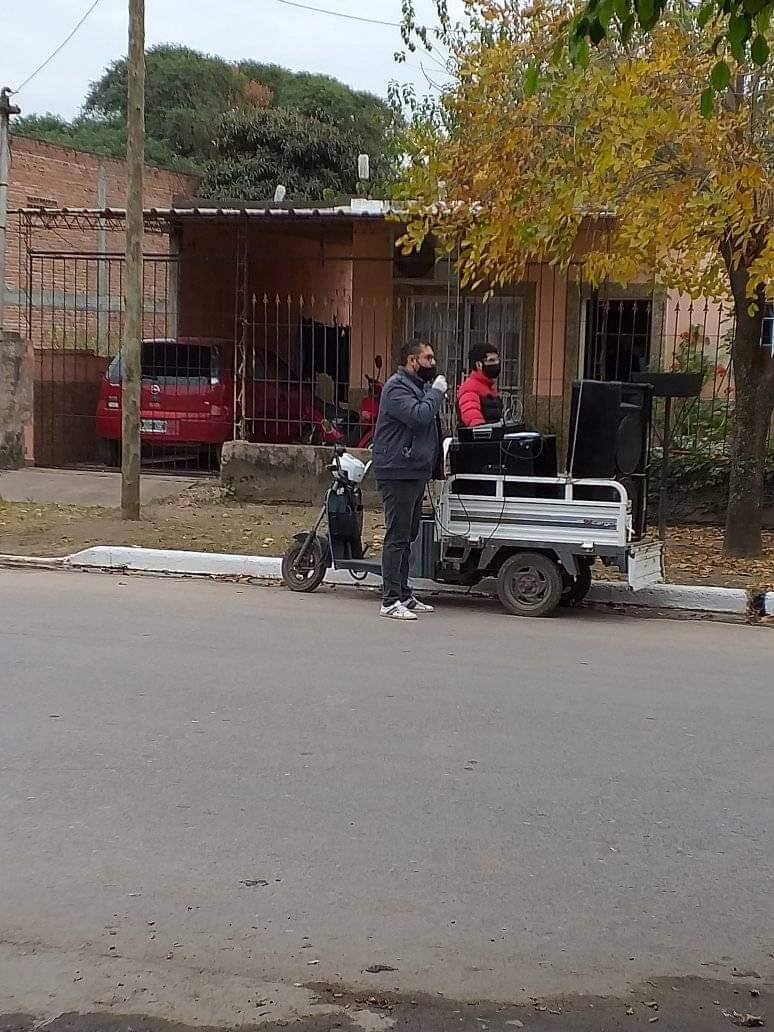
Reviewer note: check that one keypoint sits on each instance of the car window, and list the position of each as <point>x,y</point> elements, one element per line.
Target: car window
<point>174,362</point>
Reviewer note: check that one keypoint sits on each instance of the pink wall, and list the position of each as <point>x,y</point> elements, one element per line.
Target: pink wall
<point>337,273</point>
<point>290,273</point>
<point>550,334</point>
<point>372,298</point>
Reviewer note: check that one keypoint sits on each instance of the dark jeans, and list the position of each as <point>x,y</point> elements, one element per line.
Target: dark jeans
<point>402,513</point>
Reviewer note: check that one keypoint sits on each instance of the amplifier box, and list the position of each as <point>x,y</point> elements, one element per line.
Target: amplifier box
<point>530,456</point>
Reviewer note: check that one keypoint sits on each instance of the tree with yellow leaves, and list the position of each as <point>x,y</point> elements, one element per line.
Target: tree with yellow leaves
<point>525,148</point>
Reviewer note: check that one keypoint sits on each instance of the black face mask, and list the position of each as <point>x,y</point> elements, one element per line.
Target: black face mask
<point>492,371</point>
<point>427,373</point>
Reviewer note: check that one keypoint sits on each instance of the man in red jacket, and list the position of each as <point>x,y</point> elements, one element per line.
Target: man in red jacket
<point>477,399</point>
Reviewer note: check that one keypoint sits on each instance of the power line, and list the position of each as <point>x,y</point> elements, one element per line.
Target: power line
<point>352,17</point>
<point>340,14</point>
<point>59,49</point>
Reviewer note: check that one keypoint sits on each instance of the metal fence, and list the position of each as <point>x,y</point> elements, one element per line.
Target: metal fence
<point>697,338</point>
<point>223,361</point>
<point>75,322</point>
<point>240,360</point>
<point>674,334</point>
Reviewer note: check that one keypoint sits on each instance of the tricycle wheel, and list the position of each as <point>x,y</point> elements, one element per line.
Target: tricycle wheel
<point>576,588</point>
<point>307,575</point>
<point>530,584</point>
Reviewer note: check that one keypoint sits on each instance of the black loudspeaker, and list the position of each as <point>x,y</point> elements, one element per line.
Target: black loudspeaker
<point>535,457</point>
<point>610,438</point>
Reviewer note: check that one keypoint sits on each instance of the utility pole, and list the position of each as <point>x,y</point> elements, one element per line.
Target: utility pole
<point>6,110</point>
<point>131,346</point>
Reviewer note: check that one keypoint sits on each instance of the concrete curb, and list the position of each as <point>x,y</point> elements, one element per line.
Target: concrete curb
<point>727,601</point>
<point>175,563</point>
<point>30,562</point>
<point>166,562</point>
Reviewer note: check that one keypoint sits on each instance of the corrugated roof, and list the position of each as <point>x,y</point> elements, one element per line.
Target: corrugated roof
<point>356,209</point>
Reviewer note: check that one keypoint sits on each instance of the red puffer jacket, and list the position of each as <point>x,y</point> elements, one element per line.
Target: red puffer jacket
<point>478,401</point>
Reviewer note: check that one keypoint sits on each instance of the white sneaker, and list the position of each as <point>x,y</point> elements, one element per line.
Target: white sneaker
<point>415,606</point>
<point>397,611</point>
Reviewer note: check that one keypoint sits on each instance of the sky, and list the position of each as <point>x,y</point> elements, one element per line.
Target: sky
<point>359,54</point>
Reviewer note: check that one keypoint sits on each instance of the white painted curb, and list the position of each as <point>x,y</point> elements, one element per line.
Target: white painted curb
<point>691,598</point>
<point>769,604</point>
<point>179,563</point>
<point>672,597</point>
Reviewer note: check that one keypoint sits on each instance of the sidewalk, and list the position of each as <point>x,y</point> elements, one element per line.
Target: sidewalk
<point>84,487</point>
<point>212,535</point>
<point>202,518</point>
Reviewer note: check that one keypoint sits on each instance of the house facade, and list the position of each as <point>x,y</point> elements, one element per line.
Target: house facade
<point>309,298</point>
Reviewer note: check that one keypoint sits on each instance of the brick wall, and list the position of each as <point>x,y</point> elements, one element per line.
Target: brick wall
<point>46,175</point>
<point>77,309</point>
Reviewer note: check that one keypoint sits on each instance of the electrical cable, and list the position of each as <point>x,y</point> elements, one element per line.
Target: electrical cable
<point>437,518</point>
<point>571,470</point>
<point>505,453</point>
<point>364,20</point>
<point>59,49</point>
<point>340,14</point>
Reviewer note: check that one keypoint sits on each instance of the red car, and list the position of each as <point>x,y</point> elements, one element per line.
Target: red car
<point>188,399</point>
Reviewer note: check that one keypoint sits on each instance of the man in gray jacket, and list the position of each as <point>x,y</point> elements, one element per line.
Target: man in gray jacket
<point>406,450</point>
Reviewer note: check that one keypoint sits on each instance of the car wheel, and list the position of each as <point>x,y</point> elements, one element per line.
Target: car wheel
<point>530,584</point>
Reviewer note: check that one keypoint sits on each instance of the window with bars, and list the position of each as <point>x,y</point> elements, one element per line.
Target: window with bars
<point>617,339</point>
<point>453,327</point>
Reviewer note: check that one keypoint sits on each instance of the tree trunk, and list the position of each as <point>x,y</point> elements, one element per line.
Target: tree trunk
<point>754,382</point>
<point>748,460</point>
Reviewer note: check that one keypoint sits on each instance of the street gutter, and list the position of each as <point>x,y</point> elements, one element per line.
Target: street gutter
<point>664,599</point>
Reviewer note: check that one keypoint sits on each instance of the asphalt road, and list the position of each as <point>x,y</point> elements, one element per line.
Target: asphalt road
<point>220,805</point>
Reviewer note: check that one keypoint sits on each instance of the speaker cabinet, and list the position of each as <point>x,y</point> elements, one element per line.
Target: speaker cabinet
<point>610,438</point>
<point>534,458</point>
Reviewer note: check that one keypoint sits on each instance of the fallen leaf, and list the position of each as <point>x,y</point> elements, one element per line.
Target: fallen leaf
<point>377,969</point>
<point>745,1020</point>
